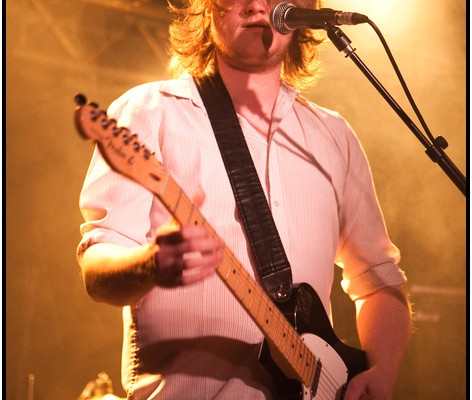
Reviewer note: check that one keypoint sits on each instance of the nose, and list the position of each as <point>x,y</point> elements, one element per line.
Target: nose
<point>256,7</point>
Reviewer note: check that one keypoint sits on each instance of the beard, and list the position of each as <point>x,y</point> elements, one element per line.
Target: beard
<point>251,51</point>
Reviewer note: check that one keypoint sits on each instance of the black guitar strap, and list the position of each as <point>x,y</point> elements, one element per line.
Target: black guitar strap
<point>274,268</point>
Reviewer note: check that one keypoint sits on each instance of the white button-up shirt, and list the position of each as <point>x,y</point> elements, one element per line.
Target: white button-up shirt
<point>197,342</point>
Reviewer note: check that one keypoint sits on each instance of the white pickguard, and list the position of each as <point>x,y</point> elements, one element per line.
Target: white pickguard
<point>334,372</point>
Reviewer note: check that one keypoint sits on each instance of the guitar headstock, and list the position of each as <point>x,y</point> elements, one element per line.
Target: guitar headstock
<point>119,147</point>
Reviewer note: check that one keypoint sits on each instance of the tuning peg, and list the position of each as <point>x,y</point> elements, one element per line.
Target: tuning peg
<point>80,99</point>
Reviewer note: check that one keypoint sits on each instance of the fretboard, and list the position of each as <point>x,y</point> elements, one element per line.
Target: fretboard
<point>287,347</point>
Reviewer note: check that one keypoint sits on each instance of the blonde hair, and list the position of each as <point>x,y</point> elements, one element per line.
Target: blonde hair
<point>192,48</point>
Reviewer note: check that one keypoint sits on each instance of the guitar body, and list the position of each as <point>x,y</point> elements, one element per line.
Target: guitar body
<point>338,362</point>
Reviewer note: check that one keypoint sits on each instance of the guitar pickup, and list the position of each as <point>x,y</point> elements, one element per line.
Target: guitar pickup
<point>316,378</point>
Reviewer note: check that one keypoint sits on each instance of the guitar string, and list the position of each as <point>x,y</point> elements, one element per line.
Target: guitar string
<point>297,346</point>
<point>264,305</point>
<point>330,386</point>
<point>327,383</point>
<point>305,359</point>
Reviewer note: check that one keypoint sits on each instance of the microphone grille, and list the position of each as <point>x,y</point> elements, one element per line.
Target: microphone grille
<point>277,17</point>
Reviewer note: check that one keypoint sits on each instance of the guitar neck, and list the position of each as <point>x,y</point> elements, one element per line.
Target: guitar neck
<point>287,348</point>
<point>125,154</point>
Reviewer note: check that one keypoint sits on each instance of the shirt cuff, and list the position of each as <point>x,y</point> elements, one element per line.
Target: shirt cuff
<point>101,235</point>
<point>373,280</point>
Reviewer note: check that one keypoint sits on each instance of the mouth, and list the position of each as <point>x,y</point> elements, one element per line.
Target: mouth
<point>258,24</point>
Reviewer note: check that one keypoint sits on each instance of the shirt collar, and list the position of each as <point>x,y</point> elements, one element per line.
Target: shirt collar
<point>185,87</point>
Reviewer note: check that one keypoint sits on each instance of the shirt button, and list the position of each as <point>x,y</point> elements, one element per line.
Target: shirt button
<point>276,203</point>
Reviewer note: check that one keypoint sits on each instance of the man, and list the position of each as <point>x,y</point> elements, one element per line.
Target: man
<point>185,336</point>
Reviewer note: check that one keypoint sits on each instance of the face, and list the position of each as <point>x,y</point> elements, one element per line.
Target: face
<point>243,35</point>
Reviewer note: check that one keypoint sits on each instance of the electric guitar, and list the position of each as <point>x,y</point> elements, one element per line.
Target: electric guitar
<point>301,351</point>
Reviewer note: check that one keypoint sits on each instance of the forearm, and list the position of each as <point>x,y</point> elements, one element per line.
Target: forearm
<point>384,325</point>
<point>118,275</point>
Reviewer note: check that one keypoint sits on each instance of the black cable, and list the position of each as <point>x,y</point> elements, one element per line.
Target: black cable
<point>402,81</point>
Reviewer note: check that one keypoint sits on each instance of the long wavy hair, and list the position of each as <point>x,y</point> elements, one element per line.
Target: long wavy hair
<point>192,48</point>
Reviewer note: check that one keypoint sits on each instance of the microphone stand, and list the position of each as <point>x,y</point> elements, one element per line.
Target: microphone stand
<point>434,150</point>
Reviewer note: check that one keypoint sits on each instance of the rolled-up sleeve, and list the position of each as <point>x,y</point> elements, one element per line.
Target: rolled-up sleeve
<point>368,257</point>
<point>117,209</point>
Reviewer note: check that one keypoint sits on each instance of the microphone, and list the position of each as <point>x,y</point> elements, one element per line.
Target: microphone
<point>286,17</point>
